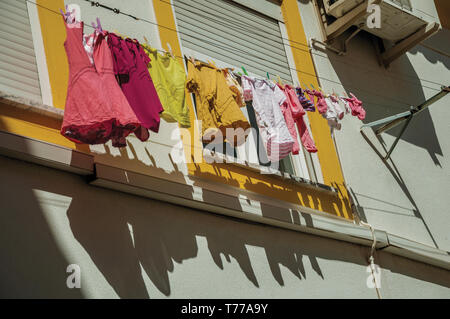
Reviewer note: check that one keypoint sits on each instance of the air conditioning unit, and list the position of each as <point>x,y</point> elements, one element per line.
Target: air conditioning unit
<point>398,18</point>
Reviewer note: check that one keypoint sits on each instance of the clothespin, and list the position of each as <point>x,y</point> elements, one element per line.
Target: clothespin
<point>67,13</point>
<point>146,40</point>
<point>97,27</point>
<point>170,49</point>
<point>245,71</point>
<point>268,77</point>
<point>279,80</point>
<point>211,62</point>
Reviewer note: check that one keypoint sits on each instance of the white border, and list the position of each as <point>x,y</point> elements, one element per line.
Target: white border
<point>39,51</point>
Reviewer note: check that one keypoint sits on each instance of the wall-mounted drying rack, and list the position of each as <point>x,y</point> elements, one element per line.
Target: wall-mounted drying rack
<point>390,122</point>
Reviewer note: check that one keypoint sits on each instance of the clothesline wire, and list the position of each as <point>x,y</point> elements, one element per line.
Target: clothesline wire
<point>236,50</point>
<point>319,55</point>
<point>220,20</point>
<point>174,30</point>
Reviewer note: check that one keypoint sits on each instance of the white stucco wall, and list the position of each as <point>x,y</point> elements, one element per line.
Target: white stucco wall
<point>409,196</point>
<point>131,247</point>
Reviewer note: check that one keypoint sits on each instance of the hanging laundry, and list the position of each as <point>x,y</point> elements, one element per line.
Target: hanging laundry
<point>334,102</point>
<point>286,109</point>
<point>169,78</point>
<point>96,109</point>
<point>321,103</point>
<point>216,107</point>
<point>268,99</point>
<point>295,105</point>
<point>130,67</point>
<point>304,101</point>
<point>356,107</point>
<point>331,114</point>
<point>235,87</point>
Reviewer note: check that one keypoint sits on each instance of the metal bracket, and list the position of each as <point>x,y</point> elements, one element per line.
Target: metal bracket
<point>390,122</point>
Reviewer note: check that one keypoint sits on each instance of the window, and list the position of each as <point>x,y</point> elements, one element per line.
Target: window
<point>18,67</point>
<point>233,35</point>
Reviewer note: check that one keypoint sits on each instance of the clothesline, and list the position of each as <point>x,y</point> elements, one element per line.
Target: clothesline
<point>339,61</point>
<point>220,19</point>
<point>227,49</point>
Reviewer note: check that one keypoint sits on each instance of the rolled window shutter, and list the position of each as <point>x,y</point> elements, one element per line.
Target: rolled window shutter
<point>18,69</point>
<point>233,34</point>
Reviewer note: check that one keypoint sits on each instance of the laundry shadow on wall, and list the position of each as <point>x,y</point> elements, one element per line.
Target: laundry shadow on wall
<point>386,92</point>
<point>122,233</point>
<point>130,238</point>
<point>436,49</point>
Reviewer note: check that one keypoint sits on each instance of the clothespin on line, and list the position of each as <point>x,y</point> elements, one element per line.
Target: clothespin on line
<point>211,62</point>
<point>97,27</point>
<point>170,49</point>
<point>268,77</point>
<point>146,40</point>
<point>245,71</point>
<point>280,82</point>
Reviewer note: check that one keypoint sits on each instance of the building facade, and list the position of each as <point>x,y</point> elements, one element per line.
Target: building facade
<point>169,218</point>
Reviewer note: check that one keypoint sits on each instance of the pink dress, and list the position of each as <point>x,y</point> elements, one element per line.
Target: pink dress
<point>286,109</point>
<point>298,113</point>
<point>96,109</point>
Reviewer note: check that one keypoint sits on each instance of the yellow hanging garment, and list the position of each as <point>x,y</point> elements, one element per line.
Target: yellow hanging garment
<point>169,78</point>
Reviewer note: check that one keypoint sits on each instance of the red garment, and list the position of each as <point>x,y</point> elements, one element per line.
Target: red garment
<point>322,106</point>
<point>96,109</point>
<point>298,113</point>
<point>356,107</point>
<point>286,109</point>
<point>130,65</point>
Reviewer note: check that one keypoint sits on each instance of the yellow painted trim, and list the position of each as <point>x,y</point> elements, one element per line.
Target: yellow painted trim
<point>328,158</point>
<point>32,125</point>
<point>53,36</point>
<point>252,181</point>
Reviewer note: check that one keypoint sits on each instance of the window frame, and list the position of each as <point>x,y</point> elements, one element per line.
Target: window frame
<point>39,52</point>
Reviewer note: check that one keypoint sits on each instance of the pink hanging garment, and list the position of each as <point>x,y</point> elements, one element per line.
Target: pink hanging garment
<point>286,109</point>
<point>356,107</point>
<point>104,64</point>
<point>296,107</point>
<point>305,137</point>
<point>130,66</point>
<point>321,103</point>
<point>95,110</point>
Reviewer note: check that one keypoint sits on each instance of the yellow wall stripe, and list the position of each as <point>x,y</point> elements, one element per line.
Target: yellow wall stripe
<point>53,36</point>
<point>328,158</point>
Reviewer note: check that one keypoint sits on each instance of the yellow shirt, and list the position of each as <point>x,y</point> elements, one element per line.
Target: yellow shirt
<point>169,78</point>
<point>216,106</point>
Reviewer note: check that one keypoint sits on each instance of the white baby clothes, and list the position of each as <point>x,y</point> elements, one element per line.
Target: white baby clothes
<point>267,98</point>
